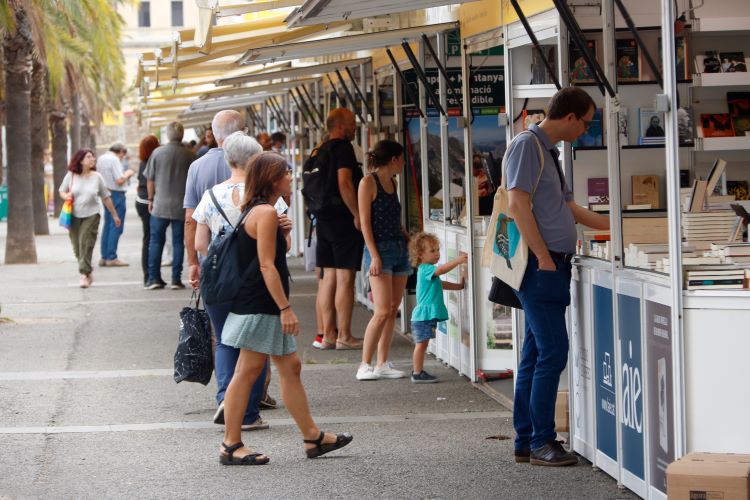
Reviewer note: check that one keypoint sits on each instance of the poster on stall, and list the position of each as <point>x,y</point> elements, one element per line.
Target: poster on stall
<point>604,363</point>
<point>632,387</point>
<point>661,393</point>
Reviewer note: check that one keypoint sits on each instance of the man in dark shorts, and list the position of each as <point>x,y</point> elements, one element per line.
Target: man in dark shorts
<point>340,242</point>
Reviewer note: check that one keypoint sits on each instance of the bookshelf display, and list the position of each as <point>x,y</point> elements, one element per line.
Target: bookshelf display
<point>633,291</point>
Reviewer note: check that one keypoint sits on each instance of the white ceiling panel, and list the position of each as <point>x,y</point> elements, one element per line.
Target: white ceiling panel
<point>326,11</point>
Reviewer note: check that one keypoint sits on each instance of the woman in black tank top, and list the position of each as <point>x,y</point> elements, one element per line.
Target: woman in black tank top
<point>386,255</point>
<point>262,322</point>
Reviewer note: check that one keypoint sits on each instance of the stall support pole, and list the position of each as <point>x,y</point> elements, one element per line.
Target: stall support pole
<point>473,263</point>
<point>423,146</point>
<point>363,110</point>
<point>316,102</point>
<point>671,150</point>
<point>444,168</point>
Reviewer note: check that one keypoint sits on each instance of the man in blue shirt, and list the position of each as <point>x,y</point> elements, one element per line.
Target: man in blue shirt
<point>546,217</point>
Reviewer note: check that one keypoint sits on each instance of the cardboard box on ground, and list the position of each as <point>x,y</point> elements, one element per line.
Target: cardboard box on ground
<point>709,476</point>
<point>562,415</point>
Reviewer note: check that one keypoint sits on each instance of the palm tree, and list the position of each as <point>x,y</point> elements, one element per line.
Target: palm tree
<point>20,246</point>
<point>39,143</point>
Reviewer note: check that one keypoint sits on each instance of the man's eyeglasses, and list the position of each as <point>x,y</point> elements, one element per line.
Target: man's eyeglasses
<point>586,123</point>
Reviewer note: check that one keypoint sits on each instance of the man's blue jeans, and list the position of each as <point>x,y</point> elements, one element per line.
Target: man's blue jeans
<point>110,232</point>
<point>156,247</point>
<point>544,295</point>
<point>225,361</point>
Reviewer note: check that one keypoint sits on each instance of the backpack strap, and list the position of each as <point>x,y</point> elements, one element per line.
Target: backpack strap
<point>218,207</point>
<point>541,162</point>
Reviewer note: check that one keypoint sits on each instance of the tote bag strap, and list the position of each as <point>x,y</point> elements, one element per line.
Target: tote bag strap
<point>541,162</point>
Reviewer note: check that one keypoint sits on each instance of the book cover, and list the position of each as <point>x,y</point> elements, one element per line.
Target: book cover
<point>580,72</point>
<point>628,64</point>
<point>532,117</point>
<point>715,174</point>
<point>684,178</point>
<point>741,125</point>
<point>539,73</point>
<point>645,190</point>
<point>739,189</point>
<point>598,191</point>
<point>651,122</point>
<point>716,125</point>
<point>711,62</point>
<point>733,62</point>
<point>622,126</point>
<point>738,103</point>
<point>685,126</point>
<point>594,135</point>
<point>698,196</point>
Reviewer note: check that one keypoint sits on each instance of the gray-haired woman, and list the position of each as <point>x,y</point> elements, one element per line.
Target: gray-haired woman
<point>238,149</point>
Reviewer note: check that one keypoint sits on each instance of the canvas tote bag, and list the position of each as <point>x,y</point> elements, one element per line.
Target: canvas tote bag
<point>505,252</point>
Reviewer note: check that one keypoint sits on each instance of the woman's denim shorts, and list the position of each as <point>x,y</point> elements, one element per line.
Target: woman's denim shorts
<point>394,257</point>
<point>423,331</point>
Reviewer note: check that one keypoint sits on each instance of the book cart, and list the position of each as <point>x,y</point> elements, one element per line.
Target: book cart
<point>655,371</point>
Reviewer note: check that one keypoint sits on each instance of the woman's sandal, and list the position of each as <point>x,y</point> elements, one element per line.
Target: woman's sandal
<point>327,346</point>
<point>321,448</point>
<point>354,344</point>
<point>250,459</point>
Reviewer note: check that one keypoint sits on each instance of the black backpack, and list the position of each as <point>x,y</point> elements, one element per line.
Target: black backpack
<point>221,276</point>
<point>319,180</point>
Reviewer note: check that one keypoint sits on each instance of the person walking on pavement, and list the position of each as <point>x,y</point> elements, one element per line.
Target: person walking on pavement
<point>86,187</point>
<point>548,225</point>
<point>146,147</point>
<point>166,172</point>
<point>262,322</point>
<point>215,218</point>
<point>386,255</point>
<point>110,167</point>
<point>209,142</point>
<point>340,243</point>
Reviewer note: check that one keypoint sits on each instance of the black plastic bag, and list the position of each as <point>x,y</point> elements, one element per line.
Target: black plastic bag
<point>501,293</point>
<point>194,359</point>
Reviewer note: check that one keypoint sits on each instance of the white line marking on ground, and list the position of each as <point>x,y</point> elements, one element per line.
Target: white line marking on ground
<point>121,301</point>
<point>203,425</point>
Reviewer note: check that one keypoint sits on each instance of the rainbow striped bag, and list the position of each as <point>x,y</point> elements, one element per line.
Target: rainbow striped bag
<point>66,213</point>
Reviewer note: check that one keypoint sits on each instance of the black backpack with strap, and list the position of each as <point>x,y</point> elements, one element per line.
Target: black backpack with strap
<point>221,276</point>
<point>319,179</point>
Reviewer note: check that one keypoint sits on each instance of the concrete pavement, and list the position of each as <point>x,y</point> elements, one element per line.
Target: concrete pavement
<point>89,407</point>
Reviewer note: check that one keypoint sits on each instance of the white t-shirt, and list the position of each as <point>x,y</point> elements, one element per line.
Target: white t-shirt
<point>87,192</point>
<point>110,168</point>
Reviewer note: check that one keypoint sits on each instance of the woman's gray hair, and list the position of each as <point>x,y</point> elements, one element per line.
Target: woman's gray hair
<point>239,148</point>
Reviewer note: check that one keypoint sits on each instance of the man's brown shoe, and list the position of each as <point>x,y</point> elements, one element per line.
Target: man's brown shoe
<point>521,456</point>
<point>553,454</point>
<point>116,263</point>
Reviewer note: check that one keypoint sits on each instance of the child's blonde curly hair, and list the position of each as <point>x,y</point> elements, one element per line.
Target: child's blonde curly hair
<point>417,246</point>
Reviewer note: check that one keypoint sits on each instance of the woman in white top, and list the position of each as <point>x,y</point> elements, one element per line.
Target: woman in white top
<point>238,149</point>
<point>86,187</point>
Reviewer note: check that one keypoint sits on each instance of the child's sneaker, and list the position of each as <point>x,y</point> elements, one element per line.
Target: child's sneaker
<point>366,372</point>
<point>388,371</point>
<point>318,342</point>
<point>423,378</point>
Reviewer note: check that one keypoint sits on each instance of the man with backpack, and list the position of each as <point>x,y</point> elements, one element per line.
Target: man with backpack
<point>332,177</point>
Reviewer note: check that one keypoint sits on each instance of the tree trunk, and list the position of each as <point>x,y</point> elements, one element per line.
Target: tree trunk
<point>75,123</point>
<point>86,132</point>
<point>59,133</point>
<point>2,123</point>
<point>20,247</point>
<point>39,144</point>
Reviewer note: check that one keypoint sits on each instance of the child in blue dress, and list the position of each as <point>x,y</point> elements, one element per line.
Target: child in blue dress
<point>424,251</point>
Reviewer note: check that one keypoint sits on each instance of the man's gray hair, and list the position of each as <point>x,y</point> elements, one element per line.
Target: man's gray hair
<point>225,123</point>
<point>175,131</point>
<point>118,147</point>
<point>239,148</point>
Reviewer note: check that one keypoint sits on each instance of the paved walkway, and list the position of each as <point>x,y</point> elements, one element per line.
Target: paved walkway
<point>89,408</point>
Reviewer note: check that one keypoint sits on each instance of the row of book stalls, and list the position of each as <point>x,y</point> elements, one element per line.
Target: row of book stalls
<point>657,362</point>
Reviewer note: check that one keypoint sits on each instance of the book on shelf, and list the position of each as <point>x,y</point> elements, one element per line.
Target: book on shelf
<point>710,63</point>
<point>641,206</point>
<point>645,190</point>
<point>539,73</point>
<point>720,273</point>
<point>622,126</point>
<point>598,191</point>
<point>716,125</point>
<point>685,126</point>
<point>714,175</point>
<point>740,260</point>
<point>594,135</point>
<point>741,125</point>
<point>580,71</point>
<point>599,207</point>
<point>740,249</point>
<point>628,60</point>
<point>532,117</point>
<point>712,285</point>
<point>733,62</point>
<point>684,178</point>
<point>739,189</point>
<point>651,124</point>
<point>741,212</point>
<point>698,196</point>
<point>738,103</point>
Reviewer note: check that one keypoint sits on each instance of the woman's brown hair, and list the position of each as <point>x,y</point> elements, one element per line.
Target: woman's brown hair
<point>147,146</point>
<point>263,171</point>
<point>75,161</point>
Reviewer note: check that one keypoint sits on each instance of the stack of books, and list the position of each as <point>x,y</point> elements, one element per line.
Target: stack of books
<point>716,226</point>
<point>719,277</point>
<point>733,253</point>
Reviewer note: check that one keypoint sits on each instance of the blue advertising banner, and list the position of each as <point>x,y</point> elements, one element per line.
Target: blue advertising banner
<point>604,363</point>
<point>631,420</point>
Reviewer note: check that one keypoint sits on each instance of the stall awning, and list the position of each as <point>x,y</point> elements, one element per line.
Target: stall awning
<point>302,71</point>
<point>257,89</point>
<point>341,45</point>
<point>326,11</point>
<point>252,7</point>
